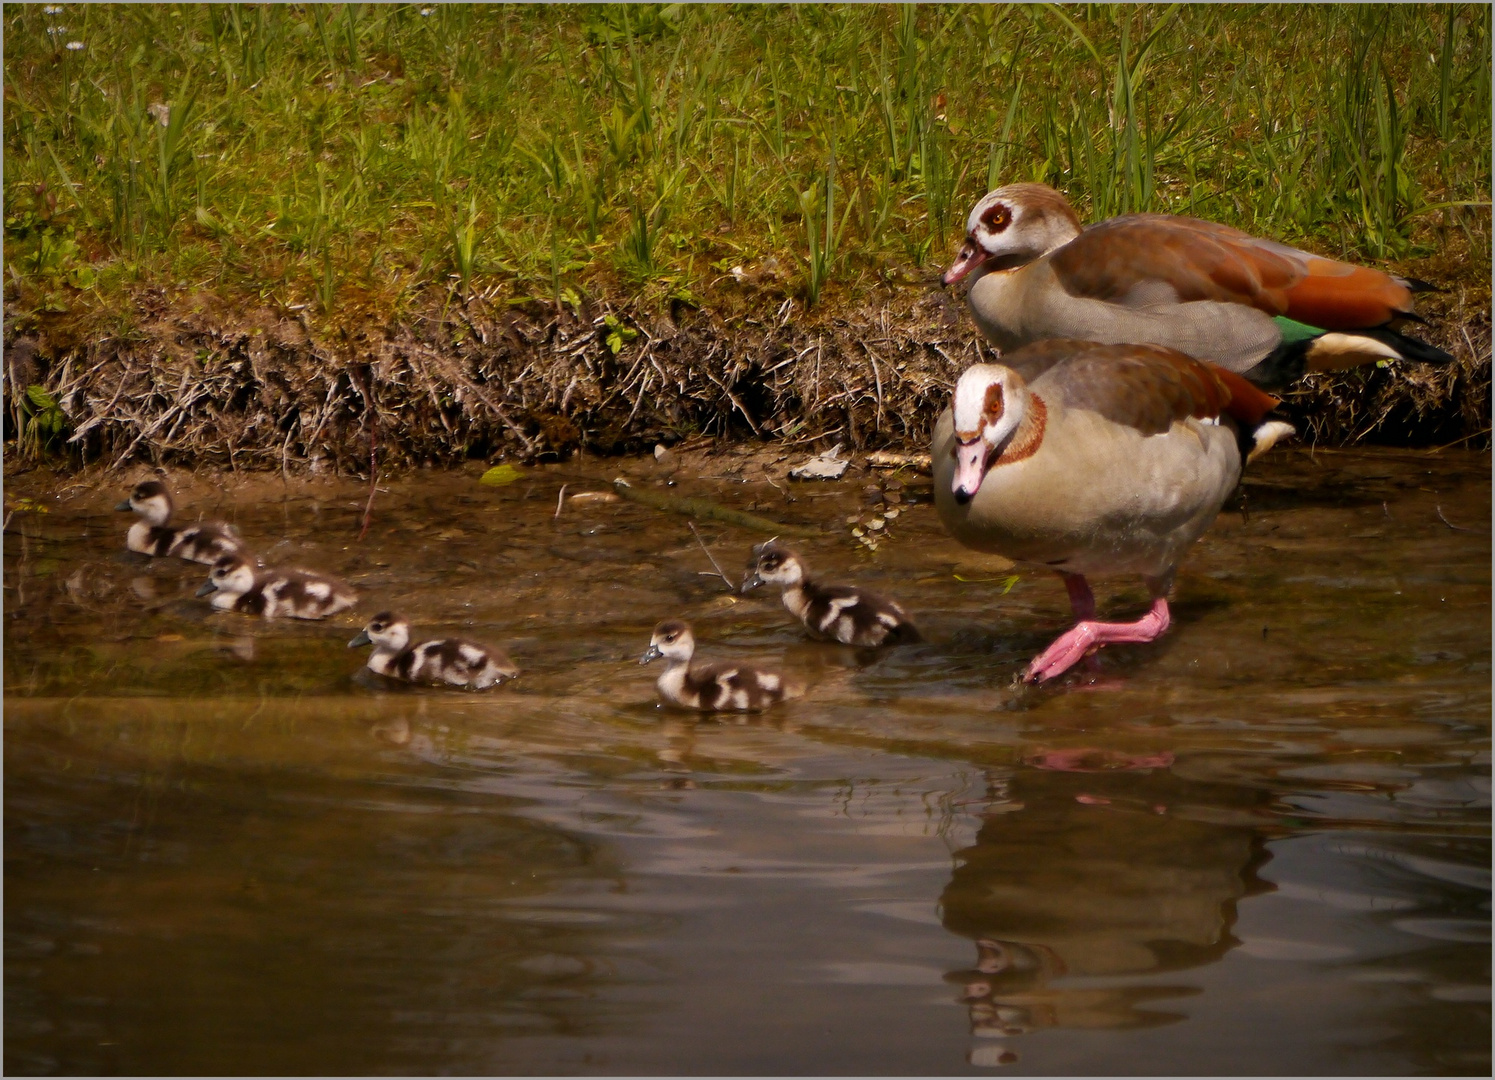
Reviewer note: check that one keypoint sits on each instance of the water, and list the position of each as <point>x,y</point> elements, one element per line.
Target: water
<point>1259,846</point>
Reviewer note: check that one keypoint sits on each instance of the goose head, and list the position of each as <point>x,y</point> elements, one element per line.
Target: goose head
<point>151,501</point>
<point>1011,226</point>
<point>232,574</point>
<point>773,564</point>
<point>672,640</point>
<point>386,631</point>
<point>990,403</point>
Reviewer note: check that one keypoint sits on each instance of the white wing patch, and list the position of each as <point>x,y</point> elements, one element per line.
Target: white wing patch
<point>837,606</point>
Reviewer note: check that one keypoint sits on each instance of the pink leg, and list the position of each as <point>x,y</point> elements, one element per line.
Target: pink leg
<point>1081,599</point>
<point>1087,634</point>
<point>1082,603</point>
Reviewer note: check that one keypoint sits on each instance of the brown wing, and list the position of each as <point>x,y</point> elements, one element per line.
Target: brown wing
<point>1147,387</point>
<point>1129,259</point>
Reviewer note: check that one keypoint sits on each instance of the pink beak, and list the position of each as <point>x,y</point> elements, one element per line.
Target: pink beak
<point>969,257</point>
<point>970,469</point>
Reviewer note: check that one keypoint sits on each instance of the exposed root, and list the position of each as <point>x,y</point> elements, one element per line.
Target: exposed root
<point>197,385</point>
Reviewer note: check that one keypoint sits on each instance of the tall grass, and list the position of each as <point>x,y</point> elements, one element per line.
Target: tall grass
<point>303,155</point>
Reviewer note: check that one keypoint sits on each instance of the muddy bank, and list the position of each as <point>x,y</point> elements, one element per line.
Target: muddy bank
<point>186,380</point>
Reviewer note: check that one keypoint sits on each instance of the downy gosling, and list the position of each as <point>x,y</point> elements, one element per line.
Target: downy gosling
<point>205,542</point>
<point>445,660</point>
<point>274,594</point>
<point>841,613</point>
<point>716,687</point>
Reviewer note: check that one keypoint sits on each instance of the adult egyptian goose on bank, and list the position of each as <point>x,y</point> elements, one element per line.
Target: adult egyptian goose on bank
<point>1256,307</point>
<point>446,660</point>
<point>716,687</point>
<point>841,613</point>
<point>205,542</point>
<point>274,594</point>
<point>1086,458</point>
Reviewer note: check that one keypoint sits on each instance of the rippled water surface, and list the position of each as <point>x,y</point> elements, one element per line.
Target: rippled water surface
<point>1258,846</point>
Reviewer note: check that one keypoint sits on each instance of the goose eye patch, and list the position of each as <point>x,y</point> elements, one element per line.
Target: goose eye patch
<point>997,217</point>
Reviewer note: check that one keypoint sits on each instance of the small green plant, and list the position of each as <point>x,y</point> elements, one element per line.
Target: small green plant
<point>619,333</point>
<point>43,422</point>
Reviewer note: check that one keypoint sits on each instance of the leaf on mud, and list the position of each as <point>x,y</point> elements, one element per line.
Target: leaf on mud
<point>1007,582</point>
<point>500,475</point>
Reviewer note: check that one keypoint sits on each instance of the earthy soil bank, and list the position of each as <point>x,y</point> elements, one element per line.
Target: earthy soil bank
<point>192,383</point>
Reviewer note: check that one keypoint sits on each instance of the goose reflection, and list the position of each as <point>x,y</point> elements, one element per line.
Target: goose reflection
<point>1079,884</point>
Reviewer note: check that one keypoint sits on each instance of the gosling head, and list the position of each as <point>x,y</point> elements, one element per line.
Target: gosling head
<point>385,630</point>
<point>989,404</point>
<point>151,501</point>
<point>672,640</point>
<point>773,563</point>
<point>233,574</point>
<point>1014,225</point>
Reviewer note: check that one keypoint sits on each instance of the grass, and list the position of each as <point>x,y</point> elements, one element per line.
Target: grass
<point>353,158</point>
<point>284,234</point>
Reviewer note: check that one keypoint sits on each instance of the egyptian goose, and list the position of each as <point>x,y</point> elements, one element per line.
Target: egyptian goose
<point>841,613</point>
<point>1256,307</point>
<point>447,660</point>
<point>1086,458</point>
<point>711,687</point>
<point>205,542</point>
<point>296,594</point>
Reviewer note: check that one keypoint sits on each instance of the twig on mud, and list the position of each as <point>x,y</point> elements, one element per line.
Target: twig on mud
<point>702,508</point>
<point>714,564</point>
<point>1451,525</point>
<point>560,501</point>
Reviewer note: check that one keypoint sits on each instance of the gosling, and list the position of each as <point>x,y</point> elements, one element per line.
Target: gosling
<point>273,594</point>
<point>711,687</point>
<point>446,660</point>
<point>841,613</point>
<point>205,542</point>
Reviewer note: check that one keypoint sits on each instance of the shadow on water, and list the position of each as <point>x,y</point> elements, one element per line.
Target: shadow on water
<point>1258,846</point>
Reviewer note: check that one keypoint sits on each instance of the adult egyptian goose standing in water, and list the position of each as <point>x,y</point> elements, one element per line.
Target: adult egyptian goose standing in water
<point>1086,458</point>
<point>719,687</point>
<point>844,613</point>
<point>1256,307</point>
<point>204,542</point>
<point>274,594</point>
<point>447,660</point>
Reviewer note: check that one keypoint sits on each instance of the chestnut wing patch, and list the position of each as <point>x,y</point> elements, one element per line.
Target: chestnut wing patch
<point>1122,260</point>
<point>1140,259</point>
<point>1150,387</point>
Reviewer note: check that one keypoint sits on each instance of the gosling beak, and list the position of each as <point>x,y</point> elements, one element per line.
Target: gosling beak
<point>361,640</point>
<point>751,582</point>
<point>124,505</point>
<point>970,469</point>
<point>207,587</point>
<point>651,653</point>
<point>969,257</point>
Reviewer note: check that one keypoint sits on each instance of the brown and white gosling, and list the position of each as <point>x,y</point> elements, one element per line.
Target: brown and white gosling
<point>445,660</point>
<point>841,613</point>
<point>711,687</point>
<point>205,542</point>
<point>273,594</point>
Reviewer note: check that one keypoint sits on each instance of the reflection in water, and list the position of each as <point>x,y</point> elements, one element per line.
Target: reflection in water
<point>1102,876</point>
<point>1260,846</point>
